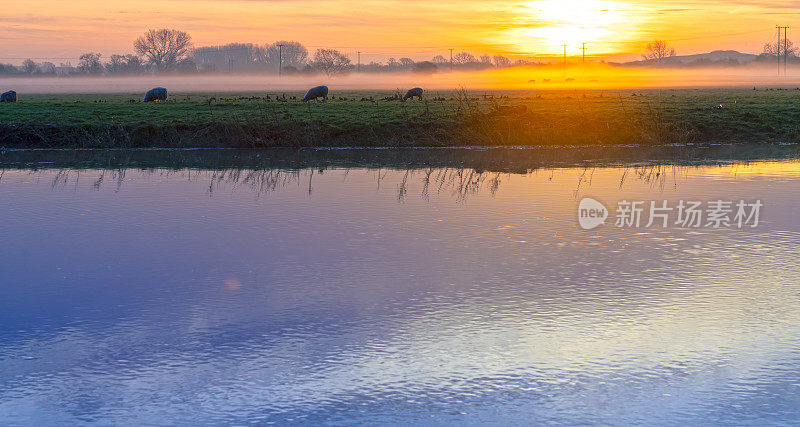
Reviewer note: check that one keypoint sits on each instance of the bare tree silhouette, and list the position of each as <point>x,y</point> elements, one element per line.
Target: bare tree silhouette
<point>90,63</point>
<point>164,48</point>
<point>777,49</point>
<point>330,61</point>
<point>658,51</point>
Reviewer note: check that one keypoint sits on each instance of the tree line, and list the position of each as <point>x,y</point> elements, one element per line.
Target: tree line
<point>660,49</point>
<point>171,51</point>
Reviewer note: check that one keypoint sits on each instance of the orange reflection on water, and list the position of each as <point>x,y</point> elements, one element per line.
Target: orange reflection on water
<point>233,284</point>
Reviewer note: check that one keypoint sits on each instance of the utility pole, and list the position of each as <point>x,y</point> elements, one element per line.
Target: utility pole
<point>451,60</point>
<point>358,67</point>
<point>778,56</point>
<point>785,48</point>
<point>583,47</point>
<point>280,60</point>
<point>564,44</point>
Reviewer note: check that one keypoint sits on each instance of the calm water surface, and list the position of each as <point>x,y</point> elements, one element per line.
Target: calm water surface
<point>384,295</point>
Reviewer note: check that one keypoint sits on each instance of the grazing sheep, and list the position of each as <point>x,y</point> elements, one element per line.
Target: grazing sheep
<point>9,96</point>
<point>412,93</point>
<point>156,94</point>
<point>316,92</point>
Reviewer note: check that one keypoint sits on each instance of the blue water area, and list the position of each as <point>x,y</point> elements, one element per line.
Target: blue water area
<point>388,295</point>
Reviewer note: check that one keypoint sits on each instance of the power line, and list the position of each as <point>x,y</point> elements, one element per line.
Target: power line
<point>37,57</point>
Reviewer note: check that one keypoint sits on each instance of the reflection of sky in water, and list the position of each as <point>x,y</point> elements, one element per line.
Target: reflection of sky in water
<point>232,296</point>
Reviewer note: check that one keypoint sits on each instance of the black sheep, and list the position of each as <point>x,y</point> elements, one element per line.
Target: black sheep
<point>9,96</point>
<point>156,94</point>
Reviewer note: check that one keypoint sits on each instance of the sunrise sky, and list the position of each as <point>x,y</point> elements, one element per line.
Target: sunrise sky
<point>58,30</point>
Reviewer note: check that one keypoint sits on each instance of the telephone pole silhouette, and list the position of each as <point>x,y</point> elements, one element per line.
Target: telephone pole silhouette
<point>280,60</point>
<point>564,44</point>
<point>358,67</point>
<point>583,48</point>
<point>451,60</point>
<point>785,48</point>
<point>778,55</point>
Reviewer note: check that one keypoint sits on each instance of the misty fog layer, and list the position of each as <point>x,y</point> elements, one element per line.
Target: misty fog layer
<point>596,76</point>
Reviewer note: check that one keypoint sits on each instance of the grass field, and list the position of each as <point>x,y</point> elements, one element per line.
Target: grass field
<point>453,118</point>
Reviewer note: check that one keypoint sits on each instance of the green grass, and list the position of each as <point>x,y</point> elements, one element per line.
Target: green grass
<point>195,109</point>
<point>445,118</point>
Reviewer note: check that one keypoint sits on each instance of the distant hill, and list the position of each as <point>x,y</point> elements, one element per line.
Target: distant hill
<point>717,57</point>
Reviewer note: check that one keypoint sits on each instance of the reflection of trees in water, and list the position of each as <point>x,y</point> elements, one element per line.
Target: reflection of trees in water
<point>65,177</point>
<point>657,176</point>
<point>458,182</point>
<point>117,176</point>
<point>260,181</point>
<point>463,181</point>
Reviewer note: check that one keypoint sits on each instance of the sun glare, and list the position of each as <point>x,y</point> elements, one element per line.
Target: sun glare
<point>573,22</point>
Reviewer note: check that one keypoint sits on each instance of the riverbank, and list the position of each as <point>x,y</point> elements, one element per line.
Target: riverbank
<point>377,119</point>
<point>485,159</point>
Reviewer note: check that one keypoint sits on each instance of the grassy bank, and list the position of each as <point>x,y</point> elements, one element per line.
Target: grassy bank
<point>456,118</point>
<point>496,159</point>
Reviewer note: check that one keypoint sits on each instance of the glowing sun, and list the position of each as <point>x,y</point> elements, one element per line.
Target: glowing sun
<point>573,22</point>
